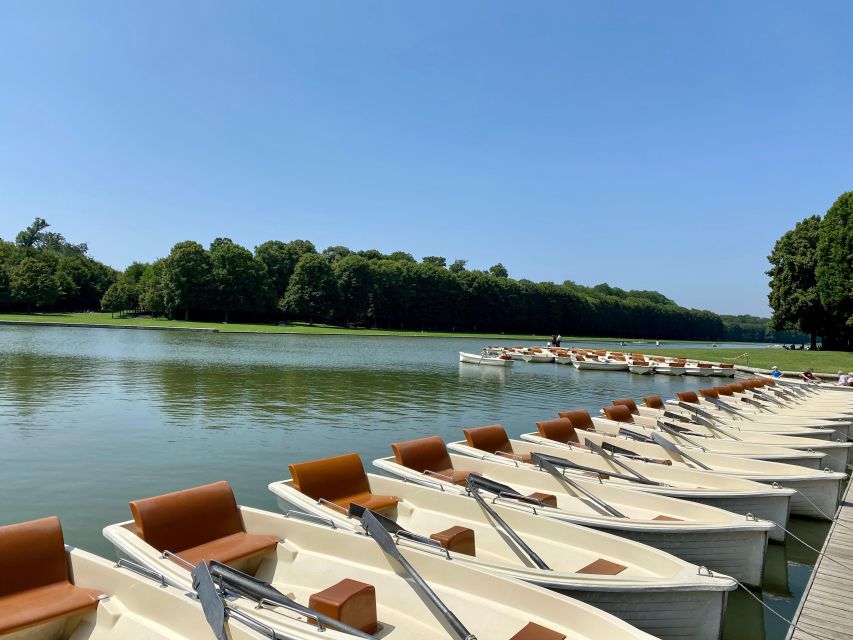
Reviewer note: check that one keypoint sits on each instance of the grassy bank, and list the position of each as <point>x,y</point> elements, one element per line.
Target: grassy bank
<point>823,361</point>
<point>106,319</point>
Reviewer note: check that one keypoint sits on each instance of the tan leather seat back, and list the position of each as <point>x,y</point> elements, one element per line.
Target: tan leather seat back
<point>619,413</point>
<point>737,387</point>
<point>709,393</point>
<point>688,396</point>
<point>330,478</point>
<point>724,391</point>
<point>188,518</point>
<point>579,418</point>
<point>423,454</point>
<point>559,430</point>
<point>491,438</point>
<point>653,402</point>
<point>32,554</point>
<point>627,402</point>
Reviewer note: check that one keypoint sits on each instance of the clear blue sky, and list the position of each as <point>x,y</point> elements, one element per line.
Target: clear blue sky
<point>651,145</point>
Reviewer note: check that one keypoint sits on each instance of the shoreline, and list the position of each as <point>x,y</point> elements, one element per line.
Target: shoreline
<point>302,329</point>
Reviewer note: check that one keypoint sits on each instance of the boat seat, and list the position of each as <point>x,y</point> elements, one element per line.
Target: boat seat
<point>428,455</point>
<point>724,391</point>
<point>618,413</point>
<point>580,419</point>
<point>559,430</point>
<point>603,567</point>
<point>340,480</point>
<point>202,523</point>
<point>628,402</point>
<point>737,387</point>
<point>35,587</point>
<point>688,396</point>
<point>349,601</point>
<point>705,365</point>
<point>493,439</point>
<point>668,519</point>
<point>457,539</point>
<point>533,631</point>
<point>653,402</point>
<point>709,393</point>
<point>547,499</point>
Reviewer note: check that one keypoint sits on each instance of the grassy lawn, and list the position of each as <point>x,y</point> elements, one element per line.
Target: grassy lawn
<point>291,327</point>
<point>822,361</point>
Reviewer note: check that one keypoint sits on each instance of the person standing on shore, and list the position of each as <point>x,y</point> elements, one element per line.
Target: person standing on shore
<point>557,340</point>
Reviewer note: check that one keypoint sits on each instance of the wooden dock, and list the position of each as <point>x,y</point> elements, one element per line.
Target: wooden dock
<point>826,609</point>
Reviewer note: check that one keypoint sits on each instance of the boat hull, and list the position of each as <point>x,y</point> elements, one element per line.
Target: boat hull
<point>739,554</point>
<point>685,615</point>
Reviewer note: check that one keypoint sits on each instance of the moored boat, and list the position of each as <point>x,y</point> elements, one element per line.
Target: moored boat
<point>700,534</point>
<point>737,495</point>
<point>492,361</point>
<point>355,584</point>
<point>54,592</point>
<point>648,588</point>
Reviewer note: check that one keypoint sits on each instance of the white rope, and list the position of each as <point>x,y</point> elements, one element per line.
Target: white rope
<point>817,551</point>
<point>790,623</point>
<point>832,519</point>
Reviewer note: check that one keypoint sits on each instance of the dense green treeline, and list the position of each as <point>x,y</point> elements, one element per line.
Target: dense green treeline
<point>811,277</point>
<point>292,280</point>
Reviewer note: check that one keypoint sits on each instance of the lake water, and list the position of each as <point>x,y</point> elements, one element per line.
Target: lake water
<point>93,418</point>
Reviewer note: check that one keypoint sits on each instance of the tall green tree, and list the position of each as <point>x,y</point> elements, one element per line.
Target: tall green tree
<point>312,292</point>
<point>186,279</point>
<point>834,273</point>
<point>457,266</point>
<point>33,283</point>
<point>239,281</point>
<point>355,284</point>
<point>794,295</point>
<point>280,259</point>
<point>499,271</point>
<point>437,261</point>
<point>151,290</point>
<point>121,296</point>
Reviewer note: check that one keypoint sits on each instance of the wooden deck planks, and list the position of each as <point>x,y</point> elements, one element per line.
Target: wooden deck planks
<point>825,609</point>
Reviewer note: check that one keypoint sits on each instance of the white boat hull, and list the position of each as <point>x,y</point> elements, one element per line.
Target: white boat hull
<point>471,358</point>
<point>601,366</point>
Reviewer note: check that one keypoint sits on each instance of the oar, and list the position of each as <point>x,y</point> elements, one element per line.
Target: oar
<point>674,448</point>
<point>537,458</point>
<point>638,477</point>
<point>502,490</point>
<point>392,527</point>
<point>211,603</point>
<point>568,464</point>
<point>677,434</point>
<point>475,493</point>
<point>259,591</point>
<point>725,406</point>
<point>717,429</point>
<point>692,408</point>
<point>386,543</point>
<point>633,435</point>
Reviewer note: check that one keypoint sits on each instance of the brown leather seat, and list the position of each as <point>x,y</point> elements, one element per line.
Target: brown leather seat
<point>533,631</point>
<point>493,439</point>
<point>579,418</point>
<point>202,523</point>
<point>618,413</point>
<point>704,365</point>
<point>559,430</point>
<point>457,539</point>
<point>628,402</point>
<point>724,391</point>
<point>709,393</point>
<point>428,455</point>
<point>653,402</point>
<point>340,480</point>
<point>737,387</point>
<point>34,583</point>
<point>349,601</point>
<point>603,567</point>
<point>688,396</point>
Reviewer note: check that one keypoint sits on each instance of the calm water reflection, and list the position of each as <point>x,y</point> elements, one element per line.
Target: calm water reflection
<point>91,418</point>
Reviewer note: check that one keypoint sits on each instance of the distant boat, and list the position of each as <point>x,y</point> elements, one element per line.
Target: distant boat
<point>493,361</point>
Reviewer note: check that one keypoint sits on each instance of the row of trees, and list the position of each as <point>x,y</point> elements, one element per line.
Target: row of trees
<point>369,288</point>
<point>811,277</point>
<point>42,270</point>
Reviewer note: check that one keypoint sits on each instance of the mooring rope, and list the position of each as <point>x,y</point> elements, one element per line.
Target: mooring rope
<point>832,519</point>
<point>790,623</point>
<point>816,550</point>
